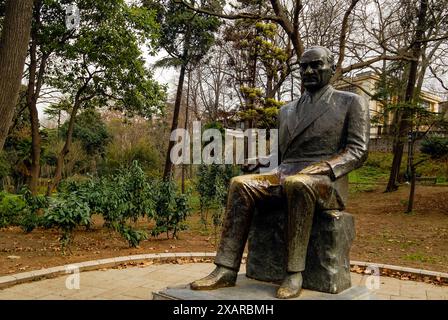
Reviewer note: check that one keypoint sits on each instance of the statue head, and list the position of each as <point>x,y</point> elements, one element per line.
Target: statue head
<point>317,66</point>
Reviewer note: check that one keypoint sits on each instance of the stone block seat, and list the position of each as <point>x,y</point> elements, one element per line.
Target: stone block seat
<point>328,263</point>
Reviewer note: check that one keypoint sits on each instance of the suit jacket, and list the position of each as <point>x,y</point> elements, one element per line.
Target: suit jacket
<point>335,131</point>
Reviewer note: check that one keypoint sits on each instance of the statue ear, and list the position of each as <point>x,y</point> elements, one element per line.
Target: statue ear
<point>333,68</point>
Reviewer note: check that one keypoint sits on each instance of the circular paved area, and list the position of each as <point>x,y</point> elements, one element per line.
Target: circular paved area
<point>139,283</point>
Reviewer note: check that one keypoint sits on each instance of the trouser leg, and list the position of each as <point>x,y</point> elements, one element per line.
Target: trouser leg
<point>244,193</point>
<point>301,202</point>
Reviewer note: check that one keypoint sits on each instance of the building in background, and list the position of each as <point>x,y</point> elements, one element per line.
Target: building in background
<point>443,109</point>
<point>365,84</point>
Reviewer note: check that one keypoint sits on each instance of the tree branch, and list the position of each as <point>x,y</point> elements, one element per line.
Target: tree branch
<point>343,35</point>
<point>244,15</point>
<point>438,78</point>
<point>366,63</point>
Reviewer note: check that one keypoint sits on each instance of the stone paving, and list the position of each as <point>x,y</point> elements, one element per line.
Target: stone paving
<point>139,283</point>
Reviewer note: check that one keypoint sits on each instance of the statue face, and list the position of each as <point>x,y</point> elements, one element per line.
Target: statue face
<point>315,69</point>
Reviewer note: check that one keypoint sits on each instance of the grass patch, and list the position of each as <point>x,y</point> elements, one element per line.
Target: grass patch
<point>419,257</point>
<point>376,170</point>
<point>367,174</point>
<point>408,244</point>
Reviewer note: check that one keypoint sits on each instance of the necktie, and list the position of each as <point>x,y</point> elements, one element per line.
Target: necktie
<point>304,107</point>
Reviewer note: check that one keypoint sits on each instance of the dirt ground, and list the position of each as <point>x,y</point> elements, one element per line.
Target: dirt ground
<point>385,234</point>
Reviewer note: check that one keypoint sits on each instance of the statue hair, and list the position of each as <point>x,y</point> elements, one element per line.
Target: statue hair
<point>330,55</point>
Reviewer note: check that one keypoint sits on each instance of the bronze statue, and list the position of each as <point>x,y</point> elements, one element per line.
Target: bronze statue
<point>322,137</point>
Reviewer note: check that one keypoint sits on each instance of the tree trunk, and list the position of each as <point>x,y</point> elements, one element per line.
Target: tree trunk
<point>35,148</point>
<point>33,95</point>
<point>270,93</point>
<point>31,102</point>
<point>13,50</point>
<point>412,191</point>
<point>412,168</point>
<point>35,81</point>
<point>65,150</point>
<point>383,83</point>
<point>174,124</point>
<point>406,120</point>
<point>184,166</point>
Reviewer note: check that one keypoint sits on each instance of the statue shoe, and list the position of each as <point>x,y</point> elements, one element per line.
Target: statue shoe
<point>219,278</point>
<point>291,286</point>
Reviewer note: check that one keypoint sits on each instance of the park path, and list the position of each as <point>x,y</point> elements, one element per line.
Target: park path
<point>139,283</point>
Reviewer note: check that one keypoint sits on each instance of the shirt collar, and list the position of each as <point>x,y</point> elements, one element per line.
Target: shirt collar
<point>315,96</point>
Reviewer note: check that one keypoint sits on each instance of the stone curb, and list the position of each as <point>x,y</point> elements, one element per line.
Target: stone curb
<point>10,280</point>
<point>432,274</point>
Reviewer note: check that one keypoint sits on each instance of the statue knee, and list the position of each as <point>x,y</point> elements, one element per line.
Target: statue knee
<point>237,182</point>
<point>297,182</point>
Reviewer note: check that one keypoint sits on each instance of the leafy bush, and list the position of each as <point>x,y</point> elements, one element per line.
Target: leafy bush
<point>171,209</point>
<point>11,207</point>
<point>31,215</point>
<point>436,147</point>
<point>126,195</point>
<point>66,214</point>
<point>22,210</point>
<point>5,166</point>
<point>134,237</point>
<point>119,198</point>
<point>212,185</point>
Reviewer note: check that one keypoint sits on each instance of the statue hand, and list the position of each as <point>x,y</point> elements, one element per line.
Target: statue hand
<point>320,168</point>
<point>249,168</point>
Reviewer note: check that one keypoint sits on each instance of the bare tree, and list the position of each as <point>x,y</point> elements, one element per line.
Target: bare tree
<point>424,26</point>
<point>211,93</point>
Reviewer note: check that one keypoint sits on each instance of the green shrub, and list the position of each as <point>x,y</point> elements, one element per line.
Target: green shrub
<point>31,215</point>
<point>134,237</point>
<point>126,195</point>
<point>11,207</point>
<point>24,210</point>
<point>66,214</point>
<point>120,198</point>
<point>212,185</point>
<point>5,166</point>
<point>171,209</point>
<point>436,147</point>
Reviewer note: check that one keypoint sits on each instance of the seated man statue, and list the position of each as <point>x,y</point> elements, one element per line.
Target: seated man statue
<point>322,137</point>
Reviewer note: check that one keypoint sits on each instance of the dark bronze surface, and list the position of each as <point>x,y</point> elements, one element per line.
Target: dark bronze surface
<point>322,137</point>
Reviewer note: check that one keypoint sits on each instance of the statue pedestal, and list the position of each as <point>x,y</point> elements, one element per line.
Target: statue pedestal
<point>250,289</point>
<point>327,263</point>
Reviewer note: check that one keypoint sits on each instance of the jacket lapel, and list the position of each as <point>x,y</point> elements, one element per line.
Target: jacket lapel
<point>291,118</point>
<point>322,106</point>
